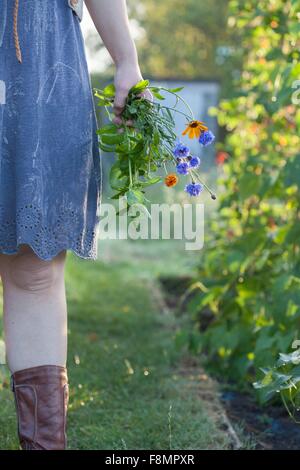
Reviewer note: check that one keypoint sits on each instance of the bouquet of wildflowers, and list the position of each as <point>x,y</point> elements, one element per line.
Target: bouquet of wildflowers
<point>151,144</point>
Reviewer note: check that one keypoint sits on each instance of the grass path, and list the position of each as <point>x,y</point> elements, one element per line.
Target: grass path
<point>126,390</point>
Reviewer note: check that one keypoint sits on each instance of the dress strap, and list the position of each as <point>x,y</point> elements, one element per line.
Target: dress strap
<point>15,32</point>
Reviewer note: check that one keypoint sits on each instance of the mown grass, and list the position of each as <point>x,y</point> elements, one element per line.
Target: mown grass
<point>125,388</point>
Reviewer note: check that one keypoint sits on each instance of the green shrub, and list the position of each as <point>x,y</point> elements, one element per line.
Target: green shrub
<point>251,265</point>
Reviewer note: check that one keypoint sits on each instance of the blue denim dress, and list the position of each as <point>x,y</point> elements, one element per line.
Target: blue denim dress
<point>50,168</point>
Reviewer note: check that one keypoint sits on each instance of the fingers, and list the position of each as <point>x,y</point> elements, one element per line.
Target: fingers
<point>118,121</point>
<point>147,95</point>
<point>120,101</point>
<point>119,105</point>
<point>128,124</point>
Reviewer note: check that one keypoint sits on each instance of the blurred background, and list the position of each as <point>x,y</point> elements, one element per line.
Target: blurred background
<point>165,344</point>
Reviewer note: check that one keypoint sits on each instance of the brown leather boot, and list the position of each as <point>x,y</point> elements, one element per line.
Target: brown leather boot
<point>41,397</point>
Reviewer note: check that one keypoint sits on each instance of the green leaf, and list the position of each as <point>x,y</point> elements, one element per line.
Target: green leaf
<point>158,95</point>
<point>108,129</point>
<point>103,102</point>
<point>176,90</point>
<point>134,196</point>
<point>112,139</point>
<point>115,177</point>
<point>151,181</point>
<point>292,358</point>
<point>106,148</point>
<point>139,147</point>
<point>139,87</point>
<point>109,90</point>
<point>122,192</point>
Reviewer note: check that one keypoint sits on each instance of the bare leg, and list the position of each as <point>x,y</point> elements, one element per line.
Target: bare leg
<point>35,309</point>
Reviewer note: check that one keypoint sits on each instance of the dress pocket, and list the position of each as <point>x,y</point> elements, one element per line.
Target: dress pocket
<point>77,7</point>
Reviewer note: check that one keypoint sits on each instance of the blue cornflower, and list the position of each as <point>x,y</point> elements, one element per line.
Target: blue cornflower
<point>182,168</point>
<point>181,150</point>
<point>194,162</point>
<point>194,189</point>
<point>206,138</point>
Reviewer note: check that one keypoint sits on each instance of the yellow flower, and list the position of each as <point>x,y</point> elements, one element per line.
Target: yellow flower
<point>195,129</point>
<point>171,180</point>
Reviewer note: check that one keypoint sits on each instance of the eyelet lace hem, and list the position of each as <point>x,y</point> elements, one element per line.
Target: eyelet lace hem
<point>66,232</point>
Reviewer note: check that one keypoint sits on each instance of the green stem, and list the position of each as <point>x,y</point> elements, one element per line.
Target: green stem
<point>108,113</point>
<point>130,172</point>
<point>175,111</point>
<point>202,182</point>
<point>287,408</point>
<point>181,99</point>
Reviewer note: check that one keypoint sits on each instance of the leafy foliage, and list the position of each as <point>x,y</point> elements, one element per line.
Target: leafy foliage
<point>141,149</point>
<point>199,39</point>
<point>251,268</point>
<point>283,378</point>
<point>148,144</point>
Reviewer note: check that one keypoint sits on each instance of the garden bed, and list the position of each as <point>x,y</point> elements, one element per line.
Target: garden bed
<point>266,428</point>
<point>269,428</point>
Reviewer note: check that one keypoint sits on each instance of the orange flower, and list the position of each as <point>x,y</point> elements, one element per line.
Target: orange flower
<point>195,129</point>
<point>171,180</point>
<point>221,157</point>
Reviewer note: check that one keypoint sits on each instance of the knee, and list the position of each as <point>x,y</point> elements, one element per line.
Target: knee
<point>29,272</point>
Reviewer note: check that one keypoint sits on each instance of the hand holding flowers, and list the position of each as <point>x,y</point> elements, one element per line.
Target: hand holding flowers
<point>144,142</point>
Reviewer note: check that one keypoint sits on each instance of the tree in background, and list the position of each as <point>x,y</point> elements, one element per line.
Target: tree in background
<point>249,278</point>
<point>182,39</point>
<point>177,39</point>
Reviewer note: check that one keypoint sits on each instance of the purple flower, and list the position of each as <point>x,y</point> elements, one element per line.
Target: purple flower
<point>181,150</point>
<point>194,162</point>
<point>182,168</point>
<point>206,138</point>
<point>194,189</point>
